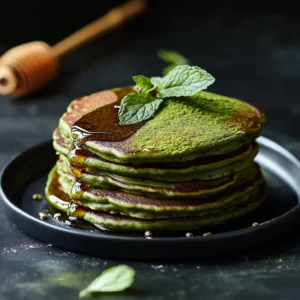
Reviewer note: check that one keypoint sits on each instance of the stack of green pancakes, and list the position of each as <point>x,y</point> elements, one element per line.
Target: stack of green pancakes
<point>190,166</point>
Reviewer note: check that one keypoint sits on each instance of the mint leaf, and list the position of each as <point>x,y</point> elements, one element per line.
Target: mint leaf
<point>172,57</point>
<point>155,81</point>
<point>168,68</point>
<point>183,81</point>
<point>144,83</point>
<point>114,279</point>
<point>137,107</point>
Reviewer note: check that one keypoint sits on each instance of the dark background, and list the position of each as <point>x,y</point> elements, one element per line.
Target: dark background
<point>23,21</point>
<point>52,20</point>
<point>252,49</point>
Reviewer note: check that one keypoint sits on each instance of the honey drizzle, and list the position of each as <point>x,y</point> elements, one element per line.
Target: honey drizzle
<point>101,124</point>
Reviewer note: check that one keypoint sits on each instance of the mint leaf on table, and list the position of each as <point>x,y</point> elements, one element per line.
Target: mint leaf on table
<point>114,279</point>
<point>137,107</point>
<point>184,81</point>
<point>144,83</point>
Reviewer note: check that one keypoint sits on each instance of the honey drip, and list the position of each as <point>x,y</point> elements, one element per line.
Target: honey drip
<point>101,124</point>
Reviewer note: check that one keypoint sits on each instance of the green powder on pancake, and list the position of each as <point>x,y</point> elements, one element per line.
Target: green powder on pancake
<point>192,123</point>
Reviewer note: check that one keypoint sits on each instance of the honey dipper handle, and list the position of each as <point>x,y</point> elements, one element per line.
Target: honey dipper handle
<point>112,19</point>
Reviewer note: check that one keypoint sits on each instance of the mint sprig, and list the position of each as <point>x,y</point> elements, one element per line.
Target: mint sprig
<point>182,81</point>
<point>143,83</point>
<point>137,107</point>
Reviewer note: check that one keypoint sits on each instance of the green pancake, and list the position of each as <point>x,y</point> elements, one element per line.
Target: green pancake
<point>60,143</point>
<point>121,223</point>
<point>201,168</point>
<point>154,188</point>
<point>125,223</point>
<point>205,124</point>
<point>150,208</point>
<point>189,166</point>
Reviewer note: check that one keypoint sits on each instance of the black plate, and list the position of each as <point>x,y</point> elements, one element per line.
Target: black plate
<point>26,174</point>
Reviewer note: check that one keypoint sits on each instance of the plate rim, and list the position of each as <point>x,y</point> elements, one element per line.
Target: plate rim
<point>182,239</point>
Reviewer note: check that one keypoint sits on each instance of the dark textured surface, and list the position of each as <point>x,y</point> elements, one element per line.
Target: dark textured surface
<point>254,56</point>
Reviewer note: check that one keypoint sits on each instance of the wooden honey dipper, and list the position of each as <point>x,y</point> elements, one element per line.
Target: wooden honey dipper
<point>27,68</point>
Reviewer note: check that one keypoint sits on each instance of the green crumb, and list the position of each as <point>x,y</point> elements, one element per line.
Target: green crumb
<point>206,233</point>
<point>37,197</point>
<point>57,215</point>
<point>255,224</point>
<point>148,233</point>
<point>43,216</point>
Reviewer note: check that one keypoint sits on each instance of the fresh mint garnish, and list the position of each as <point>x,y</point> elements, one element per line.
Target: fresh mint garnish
<point>173,59</point>
<point>155,81</point>
<point>137,107</point>
<point>144,83</point>
<point>182,81</point>
<point>114,279</point>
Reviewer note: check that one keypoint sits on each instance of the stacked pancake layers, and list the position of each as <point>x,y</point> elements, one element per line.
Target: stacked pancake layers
<point>190,166</point>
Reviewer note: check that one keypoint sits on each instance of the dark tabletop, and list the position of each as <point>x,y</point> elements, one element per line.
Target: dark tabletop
<point>255,56</point>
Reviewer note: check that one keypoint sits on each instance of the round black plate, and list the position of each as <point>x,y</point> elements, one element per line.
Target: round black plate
<point>26,175</point>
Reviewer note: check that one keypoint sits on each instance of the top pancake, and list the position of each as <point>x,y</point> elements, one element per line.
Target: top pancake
<point>206,124</point>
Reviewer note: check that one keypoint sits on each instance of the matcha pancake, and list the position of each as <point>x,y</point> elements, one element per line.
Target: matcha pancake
<point>122,223</point>
<point>187,189</point>
<point>200,168</point>
<point>60,143</point>
<point>56,196</point>
<point>202,125</point>
<point>161,189</point>
<point>160,155</point>
<point>145,207</point>
<point>205,124</point>
<point>195,170</point>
